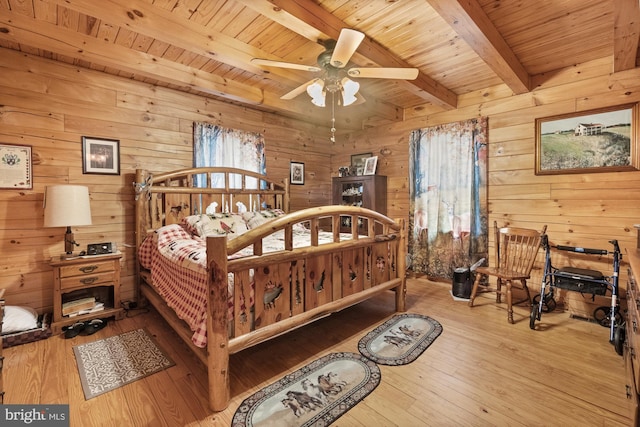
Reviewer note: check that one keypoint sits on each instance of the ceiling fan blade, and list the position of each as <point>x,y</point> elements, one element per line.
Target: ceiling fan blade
<point>291,65</point>
<point>346,46</point>
<point>361,99</point>
<point>297,91</point>
<point>384,73</point>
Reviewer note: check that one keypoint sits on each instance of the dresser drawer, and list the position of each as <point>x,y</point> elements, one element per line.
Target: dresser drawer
<point>630,388</point>
<point>91,268</point>
<point>87,280</point>
<point>633,338</point>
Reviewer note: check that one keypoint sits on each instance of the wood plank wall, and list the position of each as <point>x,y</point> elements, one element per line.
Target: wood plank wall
<point>584,210</point>
<point>50,106</point>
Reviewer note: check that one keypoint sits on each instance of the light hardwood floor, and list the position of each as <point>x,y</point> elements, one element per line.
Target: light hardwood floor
<point>481,371</point>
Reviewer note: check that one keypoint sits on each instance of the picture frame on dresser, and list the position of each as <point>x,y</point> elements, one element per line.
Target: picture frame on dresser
<point>358,161</point>
<point>370,166</point>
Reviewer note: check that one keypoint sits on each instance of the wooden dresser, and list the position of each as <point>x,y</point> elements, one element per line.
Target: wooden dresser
<point>1,356</point>
<point>632,336</point>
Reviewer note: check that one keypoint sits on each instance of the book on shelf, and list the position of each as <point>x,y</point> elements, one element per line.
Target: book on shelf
<point>78,305</point>
<point>98,307</point>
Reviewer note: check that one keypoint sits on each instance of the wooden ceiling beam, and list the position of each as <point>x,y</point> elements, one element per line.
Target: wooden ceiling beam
<point>626,34</point>
<point>312,16</point>
<point>163,25</point>
<point>470,22</point>
<point>22,29</point>
<point>160,24</point>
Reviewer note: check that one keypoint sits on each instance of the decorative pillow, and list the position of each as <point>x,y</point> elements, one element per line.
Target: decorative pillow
<point>257,218</point>
<point>18,319</point>
<point>231,224</point>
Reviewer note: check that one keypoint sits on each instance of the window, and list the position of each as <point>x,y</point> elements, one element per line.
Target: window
<point>217,146</point>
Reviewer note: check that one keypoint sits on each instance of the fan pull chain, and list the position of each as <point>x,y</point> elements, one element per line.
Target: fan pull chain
<point>333,117</point>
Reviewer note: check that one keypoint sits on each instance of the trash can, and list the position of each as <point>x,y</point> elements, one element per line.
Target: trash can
<point>461,287</point>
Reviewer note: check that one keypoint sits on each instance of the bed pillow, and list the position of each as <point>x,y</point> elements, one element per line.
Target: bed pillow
<point>18,319</point>
<point>193,223</point>
<point>257,218</point>
<point>230,224</point>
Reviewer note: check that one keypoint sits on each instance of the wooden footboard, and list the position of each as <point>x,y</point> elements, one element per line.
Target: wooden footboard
<point>296,286</point>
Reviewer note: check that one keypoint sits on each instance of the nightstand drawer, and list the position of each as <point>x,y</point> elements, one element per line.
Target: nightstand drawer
<point>91,268</point>
<point>87,280</point>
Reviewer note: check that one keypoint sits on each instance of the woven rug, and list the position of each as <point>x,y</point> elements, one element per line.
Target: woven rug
<point>314,395</point>
<point>112,362</point>
<point>400,340</point>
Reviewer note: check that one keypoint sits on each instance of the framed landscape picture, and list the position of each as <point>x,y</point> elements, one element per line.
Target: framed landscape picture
<point>602,140</point>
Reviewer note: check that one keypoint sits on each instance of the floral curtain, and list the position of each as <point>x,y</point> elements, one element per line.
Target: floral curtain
<point>218,146</point>
<point>448,203</point>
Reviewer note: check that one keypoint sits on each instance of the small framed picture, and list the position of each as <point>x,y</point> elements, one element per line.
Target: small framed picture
<point>296,172</point>
<point>370,165</point>
<point>100,156</point>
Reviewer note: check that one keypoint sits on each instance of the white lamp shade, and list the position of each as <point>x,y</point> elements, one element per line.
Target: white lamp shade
<point>66,205</point>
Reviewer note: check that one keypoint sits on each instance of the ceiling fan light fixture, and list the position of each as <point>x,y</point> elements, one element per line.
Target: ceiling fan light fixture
<point>349,90</point>
<point>317,93</point>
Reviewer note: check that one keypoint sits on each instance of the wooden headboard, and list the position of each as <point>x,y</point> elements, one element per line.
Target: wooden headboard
<point>165,198</point>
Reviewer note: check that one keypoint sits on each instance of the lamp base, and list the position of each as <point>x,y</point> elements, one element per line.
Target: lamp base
<point>69,241</point>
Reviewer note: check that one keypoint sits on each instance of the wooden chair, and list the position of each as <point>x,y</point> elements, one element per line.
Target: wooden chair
<point>516,251</point>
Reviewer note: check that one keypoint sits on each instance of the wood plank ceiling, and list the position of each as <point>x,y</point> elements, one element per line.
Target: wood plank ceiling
<point>206,46</point>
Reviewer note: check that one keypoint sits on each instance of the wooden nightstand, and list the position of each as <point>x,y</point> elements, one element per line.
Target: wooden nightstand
<point>96,276</point>
<point>1,356</point>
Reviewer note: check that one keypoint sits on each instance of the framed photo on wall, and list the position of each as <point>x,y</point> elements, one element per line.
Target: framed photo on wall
<point>296,172</point>
<point>100,156</point>
<point>16,169</point>
<point>601,140</point>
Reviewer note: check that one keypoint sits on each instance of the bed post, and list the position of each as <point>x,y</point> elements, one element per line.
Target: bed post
<point>142,209</point>
<point>217,324</point>
<point>286,202</point>
<point>401,291</point>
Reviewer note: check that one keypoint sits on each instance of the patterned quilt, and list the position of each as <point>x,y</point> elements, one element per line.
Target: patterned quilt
<point>177,261</point>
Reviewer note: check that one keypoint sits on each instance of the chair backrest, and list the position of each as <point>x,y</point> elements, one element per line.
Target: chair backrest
<point>516,249</point>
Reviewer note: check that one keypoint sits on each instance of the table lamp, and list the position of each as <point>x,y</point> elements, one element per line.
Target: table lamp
<point>66,206</point>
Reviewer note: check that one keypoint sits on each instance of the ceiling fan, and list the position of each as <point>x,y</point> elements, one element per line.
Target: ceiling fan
<point>335,78</point>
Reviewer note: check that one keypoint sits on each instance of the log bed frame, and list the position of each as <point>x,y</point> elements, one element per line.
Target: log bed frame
<point>349,271</point>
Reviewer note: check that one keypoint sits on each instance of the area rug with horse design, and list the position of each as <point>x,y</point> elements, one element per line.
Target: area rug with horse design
<point>315,395</point>
<point>400,340</point>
